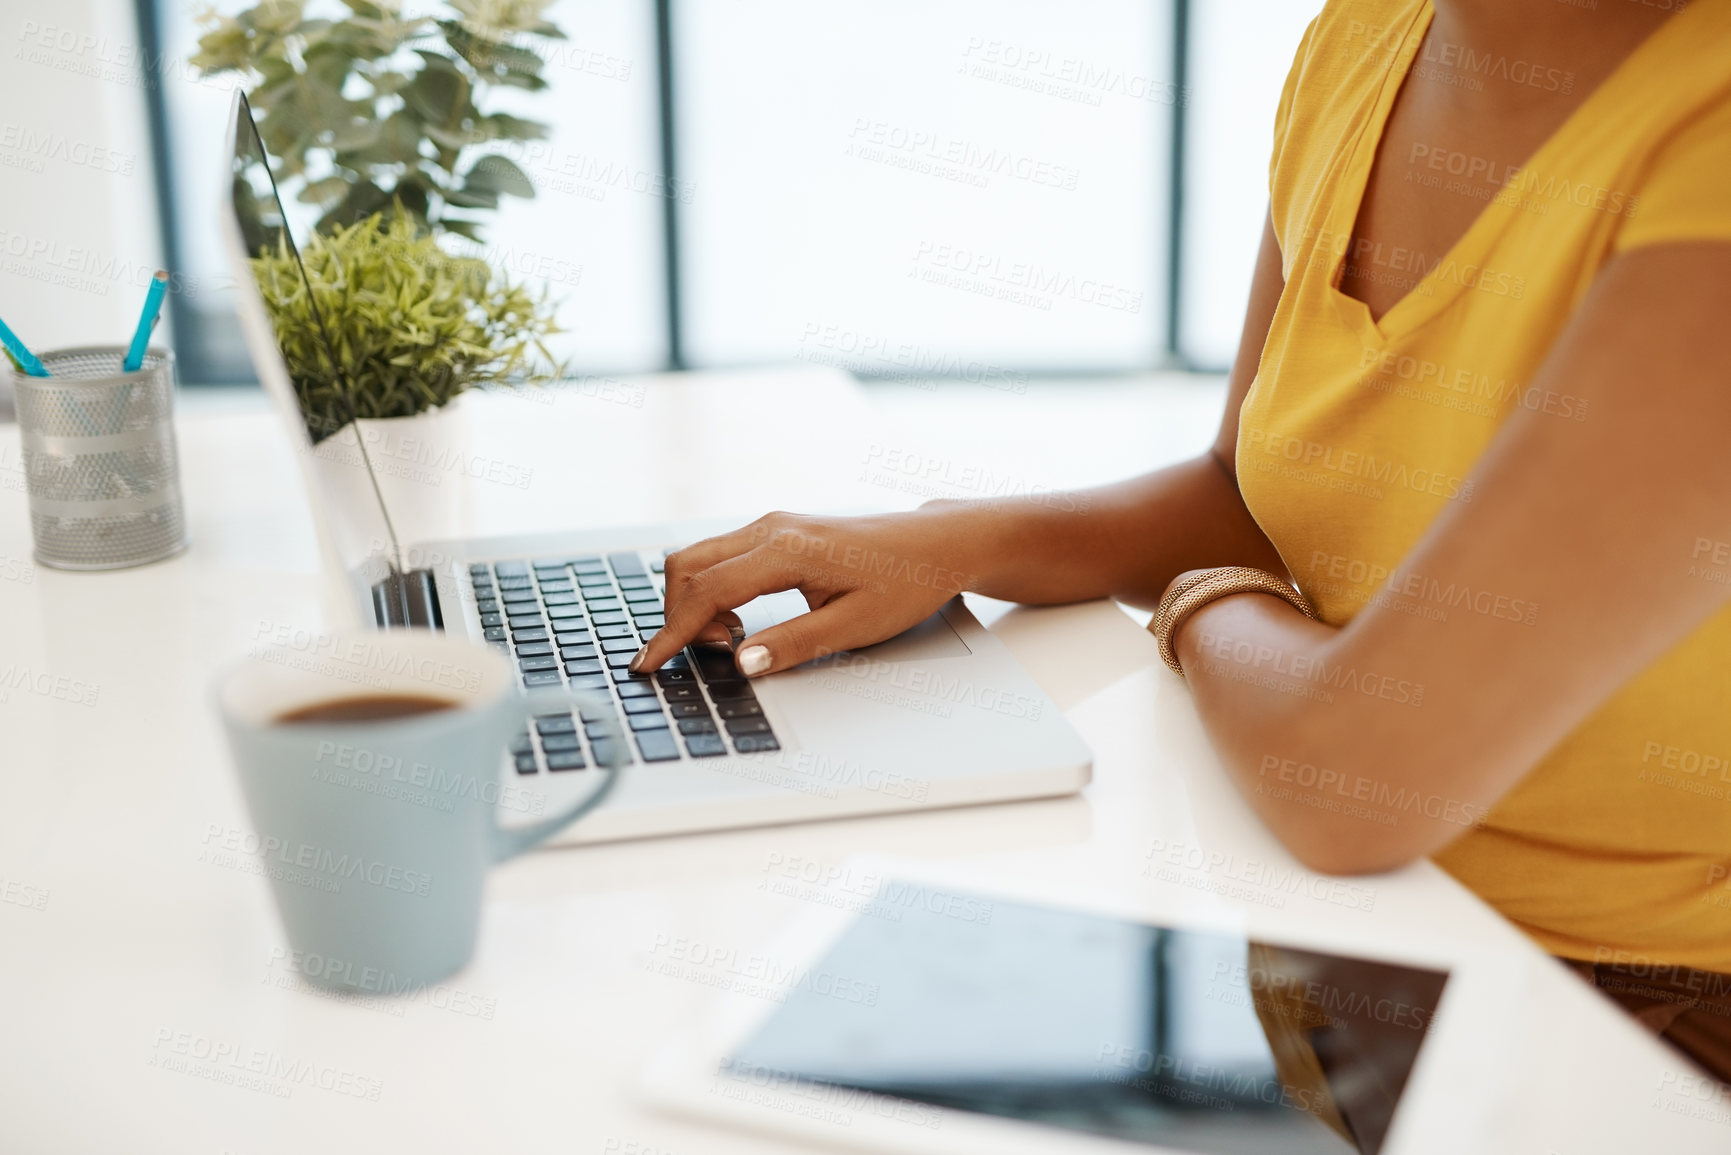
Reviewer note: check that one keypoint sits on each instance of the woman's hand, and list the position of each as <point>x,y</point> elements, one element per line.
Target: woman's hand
<point>865,579</point>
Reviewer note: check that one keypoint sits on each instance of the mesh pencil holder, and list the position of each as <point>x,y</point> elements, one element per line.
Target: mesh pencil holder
<point>100,463</point>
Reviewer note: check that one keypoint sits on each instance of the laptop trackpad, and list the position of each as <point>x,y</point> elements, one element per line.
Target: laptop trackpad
<point>932,638</point>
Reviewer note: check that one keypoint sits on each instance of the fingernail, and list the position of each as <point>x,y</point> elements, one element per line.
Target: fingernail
<point>636,666</point>
<point>753,660</point>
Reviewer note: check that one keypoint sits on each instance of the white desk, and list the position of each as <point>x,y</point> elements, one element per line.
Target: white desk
<point>116,926</point>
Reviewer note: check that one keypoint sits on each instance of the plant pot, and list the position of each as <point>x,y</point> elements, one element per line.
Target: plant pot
<point>422,467</point>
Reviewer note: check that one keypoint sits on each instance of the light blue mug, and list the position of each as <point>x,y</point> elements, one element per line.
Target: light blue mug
<point>377,835</point>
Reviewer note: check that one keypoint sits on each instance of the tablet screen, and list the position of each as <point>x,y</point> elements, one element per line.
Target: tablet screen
<point>1191,1039</point>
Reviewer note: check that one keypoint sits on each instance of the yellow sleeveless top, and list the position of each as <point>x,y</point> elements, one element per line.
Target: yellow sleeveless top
<point>1356,434</point>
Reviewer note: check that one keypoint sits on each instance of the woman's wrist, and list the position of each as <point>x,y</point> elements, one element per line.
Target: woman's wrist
<point>970,536</point>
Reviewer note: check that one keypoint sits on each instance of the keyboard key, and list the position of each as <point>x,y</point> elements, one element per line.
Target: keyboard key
<point>553,598</point>
<point>517,597</point>
<point>550,563</point>
<point>511,569</point>
<point>525,763</point>
<point>562,586</point>
<point>705,745</point>
<point>519,618</point>
<point>655,721</point>
<point>732,692</point>
<point>704,725</point>
<point>659,565</point>
<point>542,678</point>
<point>625,645</point>
<point>636,690</point>
<point>576,653</point>
<point>755,743</point>
<point>533,634</point>
<point>487,605</point>
<point>607,751</point>
<point>619,659</point>
<point>642,596</point>
<point>587,561</point>
<point>657,746</point>
<point>599,730</point>
<point>522,745</point>
<point>626,564</point>
<point>607,618</point>
<point>480,570</point>
<point>533,649</point>
<point>589,682</point>
<point>745,708</point>
<point>514,583</point>
<point>675,677</point>
<point>494,633</point>
<point>562,724</point>
<point>571,637</point>
<point>594,581</point>
<point>716,664</point>
<point>488,620</point>
<point>614,630</point>
<point>641,705</point>
<point>566,616</point>
<point>677,662</point>
<point>623,675</point>
<point>552,742</point>
<point>486,589</point>
<point>649,623</point>
<point>693,709</point>
<point>747,726</point>
<point>636,583</point>
<point>647,609</point>
<point>546,662</point>
<point>566,760</point>
<point>583,666</point>
<point>606,605</point>
<point>685,692</point>
<point>595,711</point>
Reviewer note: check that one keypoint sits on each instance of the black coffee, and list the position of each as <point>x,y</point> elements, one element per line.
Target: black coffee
<point>372,708</point>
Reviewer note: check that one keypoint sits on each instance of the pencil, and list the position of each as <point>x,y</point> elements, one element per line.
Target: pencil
<point>23,356</point>
<point>147,322</point>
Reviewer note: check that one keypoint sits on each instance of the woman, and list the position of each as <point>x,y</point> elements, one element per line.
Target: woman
<point>1481,418</point>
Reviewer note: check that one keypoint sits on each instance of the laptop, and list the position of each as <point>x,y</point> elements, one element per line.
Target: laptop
<point>941,715</point>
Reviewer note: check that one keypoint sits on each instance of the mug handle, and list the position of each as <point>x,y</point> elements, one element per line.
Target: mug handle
<point>508,843</point>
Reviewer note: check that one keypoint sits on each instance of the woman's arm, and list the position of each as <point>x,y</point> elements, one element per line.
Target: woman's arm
<point>869,578</point>
<point>1136,535</point>
<point>1604,525</point>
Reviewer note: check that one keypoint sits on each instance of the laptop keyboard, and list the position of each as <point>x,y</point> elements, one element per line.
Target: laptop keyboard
<point>578,622</point>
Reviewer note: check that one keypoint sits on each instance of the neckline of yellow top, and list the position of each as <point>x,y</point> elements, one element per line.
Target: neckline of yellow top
<point>1432,294</point>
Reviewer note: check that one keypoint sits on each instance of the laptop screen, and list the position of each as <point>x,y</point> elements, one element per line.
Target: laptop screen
<point>346,482</point>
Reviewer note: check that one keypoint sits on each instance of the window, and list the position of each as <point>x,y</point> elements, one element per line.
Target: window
<point>973,189</point>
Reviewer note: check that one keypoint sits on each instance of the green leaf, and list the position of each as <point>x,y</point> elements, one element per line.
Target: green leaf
<point>323,192</point>
<point>440,96</point>
<point>499,174</point>
<point>473,198</point>
<point>503,126</point>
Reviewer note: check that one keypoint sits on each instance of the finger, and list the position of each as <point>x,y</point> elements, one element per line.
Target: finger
<point>682,564</point>
<point>724,630</point>
<point>725,586</point>
<point>843,623</point>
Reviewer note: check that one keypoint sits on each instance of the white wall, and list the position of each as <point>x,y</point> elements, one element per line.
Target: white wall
<point>78,225</point>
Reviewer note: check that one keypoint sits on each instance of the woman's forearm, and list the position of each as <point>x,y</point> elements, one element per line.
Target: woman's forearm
<point>1127,540</point>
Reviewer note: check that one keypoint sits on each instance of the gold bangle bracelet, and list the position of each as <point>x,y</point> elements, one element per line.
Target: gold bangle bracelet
<point>1196,591</point>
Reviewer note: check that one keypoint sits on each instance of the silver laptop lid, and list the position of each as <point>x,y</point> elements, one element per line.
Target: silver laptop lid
<point>361,557</point>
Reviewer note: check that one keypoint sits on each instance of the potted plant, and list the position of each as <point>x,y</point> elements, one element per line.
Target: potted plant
<point>376,122</point>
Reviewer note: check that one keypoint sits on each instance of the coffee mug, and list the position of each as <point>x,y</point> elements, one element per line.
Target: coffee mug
<point>377,833</point>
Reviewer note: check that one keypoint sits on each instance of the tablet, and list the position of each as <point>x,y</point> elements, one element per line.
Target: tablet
<point>1150,1035</point>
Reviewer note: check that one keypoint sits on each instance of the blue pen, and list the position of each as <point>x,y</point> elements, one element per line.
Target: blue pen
<point>24,356</point>
<point>147,322</point>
